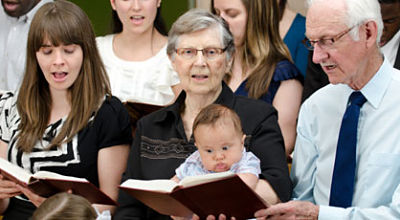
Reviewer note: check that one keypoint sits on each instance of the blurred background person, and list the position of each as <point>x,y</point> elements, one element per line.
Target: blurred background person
<point>135,54</point>
<point>15,19</point>
<point>390,41</point>
<point>292,27</point>
<point>262,67</point>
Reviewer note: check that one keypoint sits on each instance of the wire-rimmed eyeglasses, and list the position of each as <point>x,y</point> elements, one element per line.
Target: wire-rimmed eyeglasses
<point>326,43</point>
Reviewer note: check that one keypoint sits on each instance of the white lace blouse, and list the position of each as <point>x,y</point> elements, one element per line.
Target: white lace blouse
<point>148,81</point>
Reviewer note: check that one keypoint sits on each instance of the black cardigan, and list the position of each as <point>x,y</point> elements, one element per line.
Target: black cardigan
<point>160,146</point>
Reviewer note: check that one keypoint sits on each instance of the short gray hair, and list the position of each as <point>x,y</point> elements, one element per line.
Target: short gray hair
<point>358,12</point>
<point>196,20</point>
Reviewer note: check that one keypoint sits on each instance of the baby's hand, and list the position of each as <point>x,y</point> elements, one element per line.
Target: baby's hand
<point>175,178</point>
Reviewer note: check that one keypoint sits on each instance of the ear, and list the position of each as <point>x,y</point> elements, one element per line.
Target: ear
<point>243,139</point>
<point>371,33</point>
<point>112,2</point>
<point>159,3</point>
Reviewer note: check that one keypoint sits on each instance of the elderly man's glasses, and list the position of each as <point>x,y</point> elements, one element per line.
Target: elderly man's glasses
<point>209,53</point>
<point>326,43</point>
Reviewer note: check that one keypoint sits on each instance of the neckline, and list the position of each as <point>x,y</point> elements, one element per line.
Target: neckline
<point>162,52</point>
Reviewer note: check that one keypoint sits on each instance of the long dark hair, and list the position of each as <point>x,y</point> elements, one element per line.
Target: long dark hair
<point>159,24</point>
<point>263,46</point>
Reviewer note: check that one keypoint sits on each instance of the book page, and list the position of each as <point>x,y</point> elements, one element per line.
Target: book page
<point>50,175</point>
<point>150,185</point>
<point>14,170</point>
<point>195,180</point>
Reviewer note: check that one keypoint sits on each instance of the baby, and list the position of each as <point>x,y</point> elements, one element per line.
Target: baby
<point>219,140</point>
<point>64,206</point>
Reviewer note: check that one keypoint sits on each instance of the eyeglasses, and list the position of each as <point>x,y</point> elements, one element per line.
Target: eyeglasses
<point>209,53</point>
<point>326,43</point>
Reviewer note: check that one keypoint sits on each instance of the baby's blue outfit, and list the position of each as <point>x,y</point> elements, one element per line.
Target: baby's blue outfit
<point>193,166</point>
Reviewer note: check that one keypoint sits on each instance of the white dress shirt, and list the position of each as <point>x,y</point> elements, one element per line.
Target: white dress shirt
<point>377,191</point>
<point>13,42</point>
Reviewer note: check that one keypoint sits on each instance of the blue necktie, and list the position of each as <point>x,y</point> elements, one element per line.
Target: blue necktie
<point>342,187</point>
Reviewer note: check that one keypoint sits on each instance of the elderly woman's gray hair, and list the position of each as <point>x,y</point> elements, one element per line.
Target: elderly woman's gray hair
<point>196,20</point>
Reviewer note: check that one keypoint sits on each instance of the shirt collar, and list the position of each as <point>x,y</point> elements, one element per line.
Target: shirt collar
<point>375,89</point>
<point>226,97</point>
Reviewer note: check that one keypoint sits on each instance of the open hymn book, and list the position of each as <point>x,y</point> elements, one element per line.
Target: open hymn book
<point>210,194</point>
<point>46,183</point>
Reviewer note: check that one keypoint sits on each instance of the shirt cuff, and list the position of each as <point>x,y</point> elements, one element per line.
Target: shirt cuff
<point>330,212</point>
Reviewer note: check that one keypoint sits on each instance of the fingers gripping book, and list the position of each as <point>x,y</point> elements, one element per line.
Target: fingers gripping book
<point>45,183</point>
<point>210,194</point>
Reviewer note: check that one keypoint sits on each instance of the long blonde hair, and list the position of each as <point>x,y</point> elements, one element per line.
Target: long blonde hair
<point>61,22</point>
<point>263,47</point>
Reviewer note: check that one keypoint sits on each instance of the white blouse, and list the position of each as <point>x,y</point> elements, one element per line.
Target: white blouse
<point>148,81</point>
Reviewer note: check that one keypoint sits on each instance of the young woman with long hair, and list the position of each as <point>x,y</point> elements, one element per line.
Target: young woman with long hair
<point>63,119</point>
<point>262,67</point>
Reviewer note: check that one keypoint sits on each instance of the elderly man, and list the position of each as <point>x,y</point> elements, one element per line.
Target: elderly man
<point>347,153</point>
<point>389,42</point>
<point>15,20</point>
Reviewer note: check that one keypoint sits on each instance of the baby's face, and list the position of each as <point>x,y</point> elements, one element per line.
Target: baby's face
<point>220,146</point>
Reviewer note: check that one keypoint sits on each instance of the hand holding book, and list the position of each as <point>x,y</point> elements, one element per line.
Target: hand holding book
<point>204,195</point>
<point>45,184</point>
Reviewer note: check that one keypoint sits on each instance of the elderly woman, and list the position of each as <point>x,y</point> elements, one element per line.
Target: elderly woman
<point>200,47</point>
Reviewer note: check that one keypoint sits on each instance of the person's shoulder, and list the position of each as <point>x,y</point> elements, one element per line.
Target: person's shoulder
<point>111,106</point>
<point>8,103</point>
<point>325,96</point>
<point>252,108</point>
<point>286,70</point>
<point>300,18</point>
<point>104,38</point>
<point>158,115</point>
<point>7,97</point>
<point>103,41</point>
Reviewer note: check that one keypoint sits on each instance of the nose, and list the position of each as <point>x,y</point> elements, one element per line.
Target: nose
<point>223,16</point>
<point>200,60</point>
<point>136,5</point>
<point>219,156</point>
<point>58,58</point>
<point>319,54</point>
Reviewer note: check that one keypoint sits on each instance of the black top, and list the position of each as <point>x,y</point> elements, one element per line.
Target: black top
<point>109,127</point>
<point>160,146</point>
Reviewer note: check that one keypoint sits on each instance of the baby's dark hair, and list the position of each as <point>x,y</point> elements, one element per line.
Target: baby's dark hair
<point>216,113</point>
<point>65,206</point>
